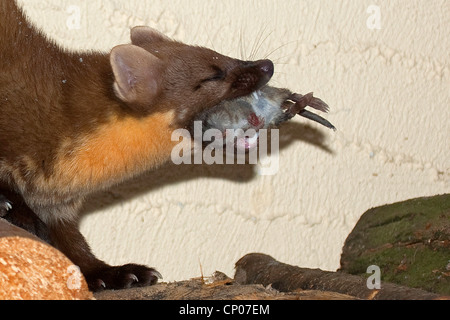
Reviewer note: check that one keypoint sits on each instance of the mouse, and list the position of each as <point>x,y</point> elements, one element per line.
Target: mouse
<point>239,120</point>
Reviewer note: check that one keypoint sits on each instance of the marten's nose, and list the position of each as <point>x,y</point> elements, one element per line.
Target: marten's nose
<point>265,69</point>
<point>251,76</point>
<point>266,66</point>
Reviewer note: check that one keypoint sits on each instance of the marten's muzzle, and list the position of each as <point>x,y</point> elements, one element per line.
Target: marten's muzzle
<point>251,76</point>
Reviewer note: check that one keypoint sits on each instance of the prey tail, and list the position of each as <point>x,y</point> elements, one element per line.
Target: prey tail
<point>314,117</point>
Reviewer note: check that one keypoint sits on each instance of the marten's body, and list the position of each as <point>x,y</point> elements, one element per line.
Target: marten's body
<point>74,123</point>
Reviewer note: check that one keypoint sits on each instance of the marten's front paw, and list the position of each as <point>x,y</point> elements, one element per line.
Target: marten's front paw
<point>122,277</point>
<point>5,205</point>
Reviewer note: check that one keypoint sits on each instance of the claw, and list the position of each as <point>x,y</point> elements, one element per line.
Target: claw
<point>134,278</point>
<point>8,205</point>
<point>5,206</point>
<point>157,274</point>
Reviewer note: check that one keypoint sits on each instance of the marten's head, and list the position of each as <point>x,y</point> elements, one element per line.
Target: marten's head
<point>155,72</point>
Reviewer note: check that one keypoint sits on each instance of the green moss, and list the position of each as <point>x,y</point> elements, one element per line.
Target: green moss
<point>409,241</point>
<point>412,267</point>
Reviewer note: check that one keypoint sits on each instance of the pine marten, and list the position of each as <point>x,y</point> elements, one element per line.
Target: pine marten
<point>74,123</point>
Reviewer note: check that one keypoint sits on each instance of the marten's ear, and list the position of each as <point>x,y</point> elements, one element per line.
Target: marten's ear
<point>137,74</point>
<point>144,35</point>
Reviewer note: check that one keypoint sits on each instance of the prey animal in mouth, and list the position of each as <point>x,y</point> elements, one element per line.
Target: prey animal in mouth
<point>265,108</point>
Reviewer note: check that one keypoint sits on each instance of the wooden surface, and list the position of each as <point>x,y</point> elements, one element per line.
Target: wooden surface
<point>262,269</point>
<point>33,270</point>
<point>216,287</point>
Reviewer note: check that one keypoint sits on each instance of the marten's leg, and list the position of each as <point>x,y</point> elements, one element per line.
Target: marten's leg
<point>99,275</point>
<point>65,236</point>
<point>14,210</point>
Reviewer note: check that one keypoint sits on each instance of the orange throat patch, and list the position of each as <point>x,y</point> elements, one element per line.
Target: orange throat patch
<point>119,149</point>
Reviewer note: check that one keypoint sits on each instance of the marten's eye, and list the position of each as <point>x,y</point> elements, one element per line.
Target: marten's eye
<point>218,75</point>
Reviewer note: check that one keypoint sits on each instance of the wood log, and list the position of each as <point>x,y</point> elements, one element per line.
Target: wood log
<point>33,270</point>
<point>256,268</point>
<point>216,287</point>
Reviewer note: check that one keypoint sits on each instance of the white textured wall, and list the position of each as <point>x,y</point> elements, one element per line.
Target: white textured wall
<point>389,92</point>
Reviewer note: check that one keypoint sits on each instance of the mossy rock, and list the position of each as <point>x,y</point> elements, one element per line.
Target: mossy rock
<point>409,241</point>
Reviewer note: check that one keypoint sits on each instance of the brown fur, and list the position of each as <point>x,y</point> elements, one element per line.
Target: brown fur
<point>74,123</point>
<point>62,112</point>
